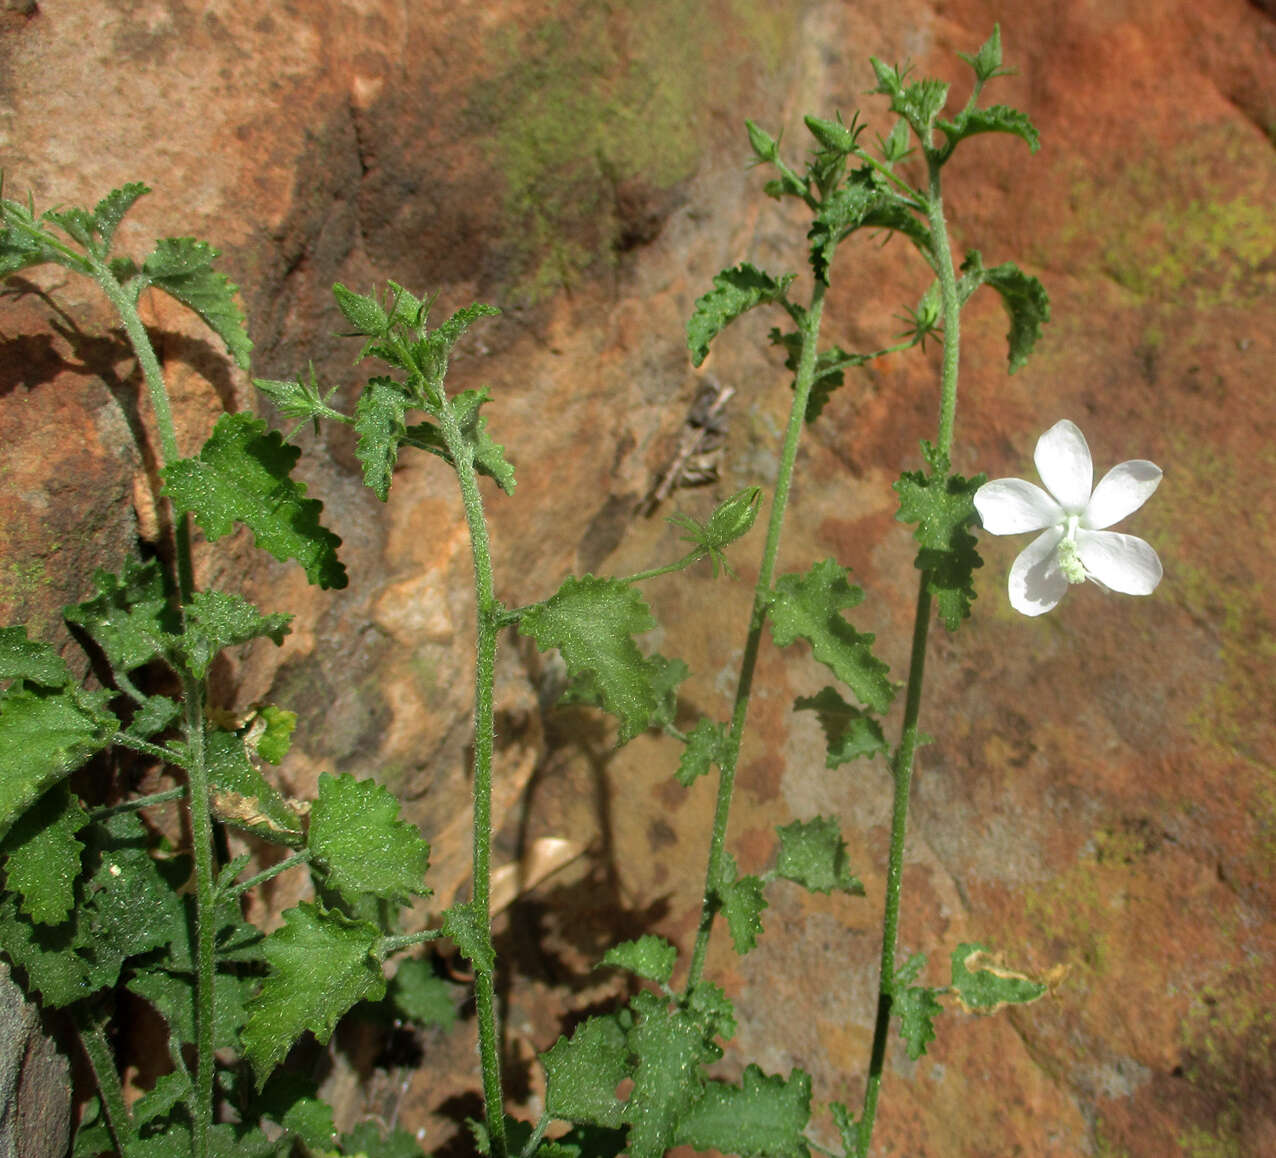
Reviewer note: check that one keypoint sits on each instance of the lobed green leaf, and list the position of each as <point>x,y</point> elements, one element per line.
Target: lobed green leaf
<point>488,456</point>
<point>649,956</point>
<point>42,855</point>
<point>215,620</point>
<point>378,420</point>
<point>592,622</point>
<point>243,797</point>
<point>242,475</point>
<point>813,855</point>
<point>942,505</point>
<point>130,618</point>
<point>292,1101</point>
<point>987,61</point>
<point>763,1117</point>
<point>583,1071</point>
<point>993,119</point>
<point>420,996</point>
<point>983,984</point>
<point>742,902</point>
<point>30,659</point>
<point>368,1140</point>
<point>735,292</point>
<point>110,211</point>
<point>321,963</point>
<point>468,928</point>
<point>183,268</point>
<point>1027,304</point>
<point>703,749</point>
<point>848,732</point>
<point>809,606</point>
<point>917,1006</point>
<point>361,845</point>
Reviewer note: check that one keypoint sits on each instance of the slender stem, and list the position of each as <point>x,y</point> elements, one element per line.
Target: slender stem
<point>537,1134</point>
<point>137,803</point>
<point>685,561</point>
<point>102,1061</point>
<point>403,941</point>
<point>902,762</point>
<point>488,616</point>
<point>761,600</point>
<point>262,877</point>
<point>201,1103</point>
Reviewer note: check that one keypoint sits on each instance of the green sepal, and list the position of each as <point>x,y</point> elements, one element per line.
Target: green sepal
<point>983,984</point>
<point>896,146</point>
<point>649,956</point>
<point>42,855</point>
<point>46,734</point>
<point>360,844</point>
<point>26,241</point>
<point>731,520</point>
<point>810,606</point>
<point>321,964</point>
<point>468,928</point>
<point>918,103</point>
<point>987,61</point>
<point>703,749</point>
<point>183,268</point>
<point>367,315</point>
<point>742,902</point>
<point>592,622</point>
<point>131,617</point>
<point>488,455</point>
<point>917,1006</point>
<point>763,1117</point>
<point>735,292</point>
<point>849,733</point>
<point>993,119</point>
<point>32,660</point>
<point>813,855</point>
<point>241,796</point>
<point>378,420</point>
<point>242,475</point>
<point>216,620</point>
<point>943,507</point>
<point>835,135</point>
<point>583,1071</point>
<point>765,147</point>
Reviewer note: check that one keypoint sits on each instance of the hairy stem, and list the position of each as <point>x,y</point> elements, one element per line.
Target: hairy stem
<point>102,1061</point>
<point>902,762</point>
<point>488,619</point>
<point>810,328</point>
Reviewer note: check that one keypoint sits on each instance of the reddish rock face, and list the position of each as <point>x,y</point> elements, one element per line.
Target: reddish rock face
<point>1100,792</point>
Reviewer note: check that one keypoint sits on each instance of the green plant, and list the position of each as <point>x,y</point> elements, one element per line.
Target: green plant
<point>96,903</point>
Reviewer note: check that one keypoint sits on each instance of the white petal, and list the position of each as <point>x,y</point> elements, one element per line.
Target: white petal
<point>1011,506</point>
<point>1122,562</point>
<point>1036,583</point>
<point>1123,490</point>
<point>1063,461</point>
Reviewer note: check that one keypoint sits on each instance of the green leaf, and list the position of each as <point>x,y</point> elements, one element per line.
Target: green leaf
<point>848,1127</point>
<point>469,929</point>
<point>735,292</point>
<point>183,268</point>
<point>942,505</point>
<point>292,1100</point>
<point>421,996</point>
<point>110,211</point>
<point>367,1140</point>
<point>582,1073</point>
<point>321,964</point>
<point>649,956</point>
<point>31,659</point>
<point>168,1091</point>
<point>241,475</point>
<point>919,103</point>
<point>488,456</point>
<point>130,618</point>
<point>712,1010</point>
<point>742,904</point>
<point>993,119</point>
<point>809,606</point>
<point>26,241</point>
<point>215,619</point>
<point>592,621</point>
<point>42,856</point>
<point>917,1006</point>
<point>984,984</point>
<point>813,855</point>
<point>378,419</point>
<point>1028,305</point>
<point>848,732</point>
<point>704,748</point>
<point>45,735</point>
<point>46,954</point>
<point>172,993</point>
<point>154,715</point>
<point>243,797</point>
<point>763,1117</point>
<point>360,843</point>
<point>865,201</point>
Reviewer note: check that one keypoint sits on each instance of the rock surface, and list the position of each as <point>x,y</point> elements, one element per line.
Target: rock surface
<point>1101,791</point>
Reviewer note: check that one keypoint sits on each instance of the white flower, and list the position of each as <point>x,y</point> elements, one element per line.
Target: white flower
<point>1073,546</point>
